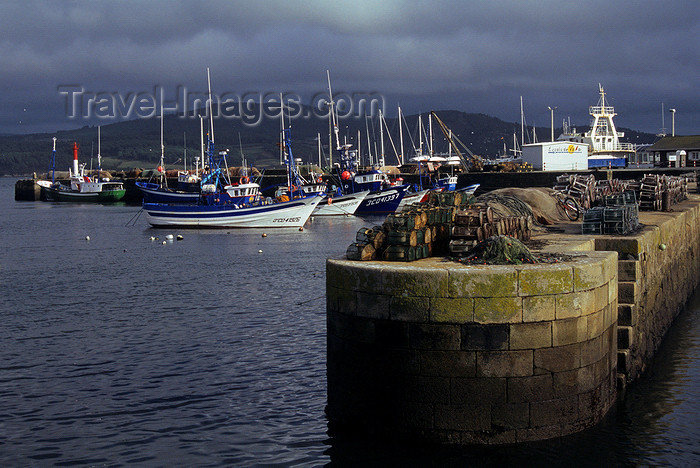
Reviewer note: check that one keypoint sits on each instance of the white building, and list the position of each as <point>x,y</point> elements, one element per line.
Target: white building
<point>557,156</point>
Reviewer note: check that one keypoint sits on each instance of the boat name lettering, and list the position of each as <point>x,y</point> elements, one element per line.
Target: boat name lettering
<point>287,220</point>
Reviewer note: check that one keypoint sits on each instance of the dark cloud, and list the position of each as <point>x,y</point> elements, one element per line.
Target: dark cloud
<point>470,56</point>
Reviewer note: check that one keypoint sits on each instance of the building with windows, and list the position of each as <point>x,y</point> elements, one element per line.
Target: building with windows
<point>676,151</point>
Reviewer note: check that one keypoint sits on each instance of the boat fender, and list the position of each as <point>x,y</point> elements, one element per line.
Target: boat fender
<point>319,180</point>
<point>330,201</point>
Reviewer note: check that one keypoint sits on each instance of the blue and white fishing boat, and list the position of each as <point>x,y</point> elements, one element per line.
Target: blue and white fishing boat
<point>237,205</point>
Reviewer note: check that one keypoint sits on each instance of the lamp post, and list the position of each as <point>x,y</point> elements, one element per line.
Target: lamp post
<point>551,111</point>
<point>673,121</point>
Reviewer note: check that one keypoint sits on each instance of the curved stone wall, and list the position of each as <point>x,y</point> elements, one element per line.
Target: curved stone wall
<point>472,354</point>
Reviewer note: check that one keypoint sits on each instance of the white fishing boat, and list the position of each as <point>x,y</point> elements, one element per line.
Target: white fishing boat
<point>603,139</point>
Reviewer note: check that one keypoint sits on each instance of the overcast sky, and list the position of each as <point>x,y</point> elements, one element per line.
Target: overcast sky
<point>439,54</point>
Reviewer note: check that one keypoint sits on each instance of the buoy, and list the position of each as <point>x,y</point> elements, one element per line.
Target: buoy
<point>87,238</point>
<point>259,251</point>
<point>169,237</point>
<point>179,237</point>
<point>301,228</point>
<point>662,246</point>
<point>164,242</point>
<point>264,235</point>
<point>152,238</point>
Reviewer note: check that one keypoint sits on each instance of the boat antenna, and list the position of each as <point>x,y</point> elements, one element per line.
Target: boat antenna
<point>53,163</point>
<point>211,112</point>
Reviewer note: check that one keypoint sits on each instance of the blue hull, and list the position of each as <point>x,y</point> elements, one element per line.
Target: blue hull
<point>154,193</point>
<point>382,202</point>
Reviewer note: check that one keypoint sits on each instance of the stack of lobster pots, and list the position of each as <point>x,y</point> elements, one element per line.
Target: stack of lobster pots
<point>659,192</point>
<point>477,223</point>
<point>420,230</point>
<point>581,188</point>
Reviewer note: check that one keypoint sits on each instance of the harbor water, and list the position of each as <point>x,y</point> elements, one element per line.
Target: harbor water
<point>210,351</point>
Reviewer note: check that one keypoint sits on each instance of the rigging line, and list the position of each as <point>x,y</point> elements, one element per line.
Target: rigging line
<point>134,218</point>
<point>314,299</point>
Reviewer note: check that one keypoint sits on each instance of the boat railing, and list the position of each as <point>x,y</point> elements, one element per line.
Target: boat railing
<point>601,110</point>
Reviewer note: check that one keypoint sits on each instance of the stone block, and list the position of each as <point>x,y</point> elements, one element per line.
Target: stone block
<point>568,331</point>
<point>540,280</point>
<point>365,277</point>
<point>530,335</point>
<point>412,414</point>
<point>588,274</point>
<point>627,292</point>
<point>426,389</point>
<point>462,417</point>
<point>538,433</point>
<point>510,416</point>
<point>480,391</point>
<point>396,361</point>
<point>557,411</point>
<point>575,304</point>
<point>486,281</point>
<point>448,363</point>
<point>372,305</point>
<point>407,280</point>
<point>504,363</point>
<point>629,270</point>
<point>566,383</point>
<point>341,300</point>
<point>602,295</point>
<point>592,350</point>
<point>498,309</point>
<point>481,337</point>
<point>625,247</point>
<point>434,336</point>
<point>391,334</point>
<point>624,361</point>
<point>624,337</point>
<point>533,388</point>
<point>409,309</point>
<point>557,359</point>
<point>627,314</point>
<point>452,309</point>
<point>594,324</point>
<point>538,308</point>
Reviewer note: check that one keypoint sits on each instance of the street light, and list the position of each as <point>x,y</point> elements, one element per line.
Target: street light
<point>551,111</point>
<point>673,121</point>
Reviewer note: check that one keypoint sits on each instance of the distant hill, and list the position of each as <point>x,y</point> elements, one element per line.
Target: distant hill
<point>136,143</point>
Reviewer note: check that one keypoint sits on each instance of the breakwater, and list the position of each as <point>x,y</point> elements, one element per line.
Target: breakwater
<point>445,352</point>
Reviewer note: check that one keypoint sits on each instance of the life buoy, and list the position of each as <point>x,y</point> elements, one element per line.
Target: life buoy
<point>243,180</point>
<point>319,180</point>
<point>294,188</point>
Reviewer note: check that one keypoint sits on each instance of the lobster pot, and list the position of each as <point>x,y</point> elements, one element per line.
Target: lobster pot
<point>592,227</point>
<point>360,251</point>
<point>401,253</point>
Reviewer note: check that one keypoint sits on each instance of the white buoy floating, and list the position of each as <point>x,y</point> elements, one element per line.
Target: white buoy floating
<point>87,238</point>
<point>179,237</point>
<point>169,237</point>
<point>259,251</point>
<point>264,235</point>
<point>152,238</point>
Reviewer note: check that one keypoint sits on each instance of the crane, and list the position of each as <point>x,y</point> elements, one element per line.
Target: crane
<point>472,162</point>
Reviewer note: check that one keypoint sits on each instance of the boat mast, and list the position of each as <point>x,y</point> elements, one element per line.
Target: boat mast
<point>430,126</point>
<point>318,137</point>
<point>381,139</point>
<point>522,123</point>
<point>211,112</point>
<point>184,142</point>
<point>201,136</point>
<point>420,135</point>
<point>53,163</point>
<point>359,154</point>
<point>400,138</point>
<point>162,146</point>
<point>369,146</point>
<point>282,131</point>
<point>99,157</point>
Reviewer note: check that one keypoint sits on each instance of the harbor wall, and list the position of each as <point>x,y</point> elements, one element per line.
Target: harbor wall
<point>450,353</point>
<point>469,354</point>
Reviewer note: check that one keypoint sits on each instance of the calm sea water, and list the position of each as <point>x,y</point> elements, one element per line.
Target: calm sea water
<point>120,350</point>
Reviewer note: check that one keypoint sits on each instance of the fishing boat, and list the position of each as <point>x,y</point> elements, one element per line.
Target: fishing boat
<point>238,205</point>
<point>383,197</point>
<point>603,139</point>
<point>82,188</point>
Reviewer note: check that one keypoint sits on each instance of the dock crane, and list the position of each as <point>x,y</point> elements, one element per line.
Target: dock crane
<point>472,162</point>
